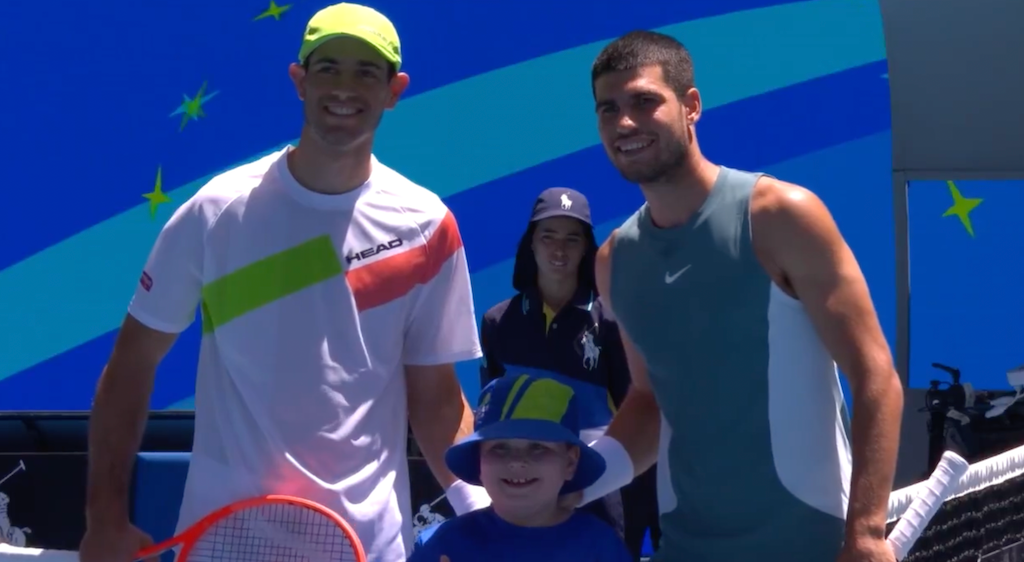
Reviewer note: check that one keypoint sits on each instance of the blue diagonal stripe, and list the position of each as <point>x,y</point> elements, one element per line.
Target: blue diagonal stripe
<point>750,134</point>
<point>449,139</point>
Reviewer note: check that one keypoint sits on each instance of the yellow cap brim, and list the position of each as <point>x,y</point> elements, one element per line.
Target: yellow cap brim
<point>308,46</point>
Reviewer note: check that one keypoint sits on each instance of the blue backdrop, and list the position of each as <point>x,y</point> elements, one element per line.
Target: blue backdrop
<point>123,99</point>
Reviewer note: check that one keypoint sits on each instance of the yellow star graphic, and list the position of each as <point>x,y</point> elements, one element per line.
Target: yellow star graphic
<point>274,11</point>
<point>962,207</point>
<point>192,108</point>
<point>157,197</point>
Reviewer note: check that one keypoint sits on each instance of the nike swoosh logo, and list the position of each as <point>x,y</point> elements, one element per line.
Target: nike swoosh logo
<point>670,278</point>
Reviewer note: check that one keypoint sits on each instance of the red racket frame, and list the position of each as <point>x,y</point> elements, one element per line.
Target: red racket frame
<point>188,537</point>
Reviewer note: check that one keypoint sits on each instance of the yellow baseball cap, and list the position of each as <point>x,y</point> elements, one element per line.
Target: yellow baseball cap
<point>352,20</point>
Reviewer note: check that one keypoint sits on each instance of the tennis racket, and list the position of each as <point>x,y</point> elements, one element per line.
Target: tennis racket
<point>938,488</point>
<point>262,529</point>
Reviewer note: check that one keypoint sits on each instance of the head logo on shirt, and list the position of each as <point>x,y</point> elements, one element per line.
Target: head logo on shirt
<point>566,202</point>
<point>146,281</point>
<point>373,250</point>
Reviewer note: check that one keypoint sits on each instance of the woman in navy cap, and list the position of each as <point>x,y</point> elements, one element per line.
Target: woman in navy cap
<point>555,325</point>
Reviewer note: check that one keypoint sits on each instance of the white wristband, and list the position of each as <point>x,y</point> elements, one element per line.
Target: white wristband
<point>465,498</point>
<point>618,469</point>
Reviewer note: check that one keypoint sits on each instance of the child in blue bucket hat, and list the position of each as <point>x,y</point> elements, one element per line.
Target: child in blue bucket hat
<point>526,452</point>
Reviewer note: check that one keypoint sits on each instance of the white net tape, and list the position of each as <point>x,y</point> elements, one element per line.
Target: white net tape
<point>982,474</point>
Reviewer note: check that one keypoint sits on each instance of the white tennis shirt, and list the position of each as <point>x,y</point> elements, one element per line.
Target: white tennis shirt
<point>312,304</point>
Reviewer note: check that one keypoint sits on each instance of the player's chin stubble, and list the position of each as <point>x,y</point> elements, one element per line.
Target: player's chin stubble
<point>663,169</point>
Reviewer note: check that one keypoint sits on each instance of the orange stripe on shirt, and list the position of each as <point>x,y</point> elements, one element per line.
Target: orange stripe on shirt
<point>393,277</point>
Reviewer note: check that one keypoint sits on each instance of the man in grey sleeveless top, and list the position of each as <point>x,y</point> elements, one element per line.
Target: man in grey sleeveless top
<point>737,297</point>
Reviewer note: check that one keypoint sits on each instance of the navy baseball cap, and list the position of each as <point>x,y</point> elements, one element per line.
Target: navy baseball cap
<point>561,202</point>
<point>555,202</point>
<point>531,408</point>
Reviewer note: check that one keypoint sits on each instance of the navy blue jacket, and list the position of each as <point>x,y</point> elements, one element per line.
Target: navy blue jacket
<point>582,347</point>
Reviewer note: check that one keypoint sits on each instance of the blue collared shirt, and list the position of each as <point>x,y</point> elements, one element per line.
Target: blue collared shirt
<point>482,535</point>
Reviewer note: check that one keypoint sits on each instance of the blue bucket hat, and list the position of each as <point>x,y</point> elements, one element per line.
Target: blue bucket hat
<point>525,407</point>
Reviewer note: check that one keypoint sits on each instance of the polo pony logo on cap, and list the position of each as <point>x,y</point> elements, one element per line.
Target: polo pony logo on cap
<point>566,202</point>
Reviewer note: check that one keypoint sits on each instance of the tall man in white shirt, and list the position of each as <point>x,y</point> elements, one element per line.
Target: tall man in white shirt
<point>335,299</point>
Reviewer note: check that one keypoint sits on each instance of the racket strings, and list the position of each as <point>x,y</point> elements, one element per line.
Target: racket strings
<point>274,533</point>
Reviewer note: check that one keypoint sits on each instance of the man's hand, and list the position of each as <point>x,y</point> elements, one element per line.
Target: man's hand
<point>867,550</point>
<point>113,544</point>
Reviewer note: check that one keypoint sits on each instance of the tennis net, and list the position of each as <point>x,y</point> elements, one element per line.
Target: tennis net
<point>984,516</point>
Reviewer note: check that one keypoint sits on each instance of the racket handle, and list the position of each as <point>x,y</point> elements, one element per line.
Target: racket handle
<point>10,553</point>
<point>938,488</point>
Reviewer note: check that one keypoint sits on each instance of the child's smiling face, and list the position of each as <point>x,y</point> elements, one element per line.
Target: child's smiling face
<point>524,477</point>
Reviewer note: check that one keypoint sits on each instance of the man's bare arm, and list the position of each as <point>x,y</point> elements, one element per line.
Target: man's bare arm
<point>118,419</point>
<point>637,423</point>
<point>797,236</point>
<point>438,414</point>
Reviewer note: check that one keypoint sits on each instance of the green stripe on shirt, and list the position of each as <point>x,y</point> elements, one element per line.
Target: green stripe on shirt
<point>267,280</point>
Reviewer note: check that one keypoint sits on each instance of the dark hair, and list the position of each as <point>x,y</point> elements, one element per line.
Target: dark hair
<point>638,49</point>
<point>524,272</point>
